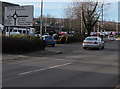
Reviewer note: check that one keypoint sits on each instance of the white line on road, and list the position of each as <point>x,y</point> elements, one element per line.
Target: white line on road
<point>31,71</point>
<point>60,65</point>
<point>44,68</point>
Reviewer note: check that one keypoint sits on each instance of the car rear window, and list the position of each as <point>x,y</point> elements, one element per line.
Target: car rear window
<point>110,36</point>
<point>91,39</point>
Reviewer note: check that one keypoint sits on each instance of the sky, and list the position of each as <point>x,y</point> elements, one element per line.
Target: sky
<point>55,8</point>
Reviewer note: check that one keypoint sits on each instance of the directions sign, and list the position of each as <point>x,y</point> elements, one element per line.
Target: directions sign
<point>18,16</point>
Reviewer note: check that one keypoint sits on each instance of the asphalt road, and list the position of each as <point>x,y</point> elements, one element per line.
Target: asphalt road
<point>74,67</point>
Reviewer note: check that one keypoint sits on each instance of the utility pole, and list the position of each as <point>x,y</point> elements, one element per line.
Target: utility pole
<point>45,24</point>
<point>102,18</point>
<point>116,27</point>
<point>41,18</point>
<point>81,20</point>
<point>98,26</point>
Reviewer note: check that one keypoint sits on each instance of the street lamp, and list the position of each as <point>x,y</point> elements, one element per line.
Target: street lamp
<point>41,17</point>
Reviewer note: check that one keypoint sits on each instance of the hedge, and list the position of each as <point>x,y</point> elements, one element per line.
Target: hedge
<point>21,44</point>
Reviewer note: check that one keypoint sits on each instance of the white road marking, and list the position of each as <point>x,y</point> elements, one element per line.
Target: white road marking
<point>31,71</point>
<point>59,59</point>
<point>64,59</point>
<point>60,65</point>
<point>45,68</point>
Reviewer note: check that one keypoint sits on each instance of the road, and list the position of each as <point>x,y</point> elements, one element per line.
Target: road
<point>72,67</point>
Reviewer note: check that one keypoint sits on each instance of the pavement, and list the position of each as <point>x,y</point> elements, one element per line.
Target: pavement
<point>46,52</point>
<point>118,39</point>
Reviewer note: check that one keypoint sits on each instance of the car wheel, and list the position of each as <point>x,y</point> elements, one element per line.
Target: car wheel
<point>99,47</point>
<point>84,47</point>
<point>103,47</point>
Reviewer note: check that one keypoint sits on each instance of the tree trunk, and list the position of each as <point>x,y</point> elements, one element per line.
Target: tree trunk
<point>82,36</point>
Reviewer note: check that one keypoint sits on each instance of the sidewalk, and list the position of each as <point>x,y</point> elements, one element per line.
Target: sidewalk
<point>118,39</point>
<point>11,56</point>
<point>40,53</point>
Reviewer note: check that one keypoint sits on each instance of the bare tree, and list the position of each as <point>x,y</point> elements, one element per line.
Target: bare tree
<point>84,12</point>
<point>90,15</point>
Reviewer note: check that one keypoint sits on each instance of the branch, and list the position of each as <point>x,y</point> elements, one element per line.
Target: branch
<point>83,15</point>
<point>94,8</point>
<point>95,21</point>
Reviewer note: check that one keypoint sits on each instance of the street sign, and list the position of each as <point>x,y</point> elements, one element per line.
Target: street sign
<point>18,16</point>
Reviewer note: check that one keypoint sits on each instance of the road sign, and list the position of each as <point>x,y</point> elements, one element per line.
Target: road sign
<point>18,16</point>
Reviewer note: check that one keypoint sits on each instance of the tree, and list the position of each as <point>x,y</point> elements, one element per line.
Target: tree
<point>49,20</point>
<point>90,16</point>
<point>84,12</point>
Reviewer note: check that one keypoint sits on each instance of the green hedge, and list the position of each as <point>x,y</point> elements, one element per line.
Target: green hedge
<point>21,44</point>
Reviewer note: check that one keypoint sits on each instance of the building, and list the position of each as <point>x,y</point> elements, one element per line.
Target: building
<point>2,10</point>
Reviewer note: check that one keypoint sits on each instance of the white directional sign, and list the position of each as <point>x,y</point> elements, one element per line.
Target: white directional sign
<point>18,16</point>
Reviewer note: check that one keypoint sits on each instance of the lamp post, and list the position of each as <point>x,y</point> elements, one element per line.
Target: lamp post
<point>41,17</point>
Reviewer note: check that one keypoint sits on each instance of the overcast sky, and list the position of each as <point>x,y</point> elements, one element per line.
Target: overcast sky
<point>56,7</point>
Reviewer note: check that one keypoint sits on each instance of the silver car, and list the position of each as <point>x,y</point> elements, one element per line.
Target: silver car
<point>93,42</point>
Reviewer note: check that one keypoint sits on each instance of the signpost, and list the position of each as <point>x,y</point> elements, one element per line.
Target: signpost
<point>18,16</point>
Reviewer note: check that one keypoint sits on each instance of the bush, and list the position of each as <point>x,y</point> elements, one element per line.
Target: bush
<point>117,36</point>
<point>21,43</point>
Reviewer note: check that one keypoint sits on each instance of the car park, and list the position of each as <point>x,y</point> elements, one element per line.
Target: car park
<point>106,33</point>
<point>93,42</point>
<point>111,37</point>
<point>49,40</point>
<point>114,33</point>
<point>93,33</point>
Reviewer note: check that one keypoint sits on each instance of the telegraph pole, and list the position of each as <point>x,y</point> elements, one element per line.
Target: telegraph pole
<point>41,18</point>
<point>102,17</point>
<point>81,21</point>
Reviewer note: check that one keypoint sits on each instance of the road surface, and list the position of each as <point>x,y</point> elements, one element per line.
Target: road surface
<point>72,67</point>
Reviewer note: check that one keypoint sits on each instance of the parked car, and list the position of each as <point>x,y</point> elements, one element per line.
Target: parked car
<point>111,37</point>
<point>114,33</point>
<point>39,35</point>
<point>93,33</point>
<point>49,40</point>
<point>93,42</point>
<point>11,33</point>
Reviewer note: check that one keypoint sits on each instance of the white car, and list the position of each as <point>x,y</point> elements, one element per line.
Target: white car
<point>11,33</point>
<point>93,42</point>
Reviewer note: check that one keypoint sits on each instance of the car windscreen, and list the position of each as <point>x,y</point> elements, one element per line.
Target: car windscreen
<point>91,39</point>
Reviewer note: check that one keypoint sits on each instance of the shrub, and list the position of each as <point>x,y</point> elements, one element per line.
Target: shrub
<point>21,43</point>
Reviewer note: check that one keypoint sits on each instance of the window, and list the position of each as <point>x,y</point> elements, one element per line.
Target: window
<point>91,39</point>
<point>24,31</point>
